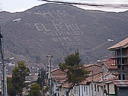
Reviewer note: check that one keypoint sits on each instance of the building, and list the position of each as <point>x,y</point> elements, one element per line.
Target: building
<point>121,87</point>
<point>110,86</point>
<point>96,84</point>
<point>96,68</point>
<point>108,65</point>
<point>121,58</point>
<point>58,78</point>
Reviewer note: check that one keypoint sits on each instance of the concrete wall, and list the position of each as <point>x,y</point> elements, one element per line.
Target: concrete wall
<point>83,89</point>
<point>111,88</point>
<point>105,69</point>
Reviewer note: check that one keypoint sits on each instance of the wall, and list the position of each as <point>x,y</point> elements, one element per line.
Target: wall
<point>123,92</point>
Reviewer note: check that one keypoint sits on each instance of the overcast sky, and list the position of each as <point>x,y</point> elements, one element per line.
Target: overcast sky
<point>21,5</point>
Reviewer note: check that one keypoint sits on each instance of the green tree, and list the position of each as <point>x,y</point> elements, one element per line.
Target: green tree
<point>75,72</point>
<point>34,90</point>
<point>18,77</point>
<point>10,87</point>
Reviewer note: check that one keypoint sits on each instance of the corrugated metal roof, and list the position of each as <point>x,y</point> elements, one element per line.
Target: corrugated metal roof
<point>123,44</point>
<point>121,83</point>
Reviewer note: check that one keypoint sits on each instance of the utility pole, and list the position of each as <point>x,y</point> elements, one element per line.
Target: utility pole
<point>92,83</point>
<point>1,58</point>
<point>103,82</point>
<point>49,74</point>
<point>79,88</point>
<point>5,82</point>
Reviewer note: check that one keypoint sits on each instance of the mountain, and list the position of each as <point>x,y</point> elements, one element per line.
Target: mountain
<point>59,30</point>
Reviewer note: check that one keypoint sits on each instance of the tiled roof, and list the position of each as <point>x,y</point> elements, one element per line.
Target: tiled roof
<point>59,76</point>
<point>66,85</point>
<point>96,68</point>
<point>97,78</point>
<point>58,72</point>
<point>123,43</point>
<point>83,81</point>
<point>55,70</point>
<point>121,83</point>
<point>110,65</point>
<point>89,65</point>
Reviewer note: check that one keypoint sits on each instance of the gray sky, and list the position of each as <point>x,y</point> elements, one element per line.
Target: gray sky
<point>21,5</point>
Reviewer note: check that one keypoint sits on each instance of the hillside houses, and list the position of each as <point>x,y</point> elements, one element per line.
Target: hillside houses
<point>103,79</point>
<point>96,84</point>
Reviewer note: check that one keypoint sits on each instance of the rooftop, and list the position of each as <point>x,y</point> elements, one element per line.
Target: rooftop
<point>96,68</point>
<point>123,44</point>
<point>97,78</point>
<point>110,65</point>
<point>121,83</point>
<point>58,75</point>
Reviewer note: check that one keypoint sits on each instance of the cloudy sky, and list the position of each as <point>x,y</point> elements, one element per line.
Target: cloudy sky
<point>21,5</point>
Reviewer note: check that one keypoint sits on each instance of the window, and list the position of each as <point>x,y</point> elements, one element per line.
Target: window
<point>123,61</point>
<point>95,87</point>
<point>86,90</point>
<point>119,77</point>
<point>123,77</point>
<point>122,67</point>
<point>74,90</point>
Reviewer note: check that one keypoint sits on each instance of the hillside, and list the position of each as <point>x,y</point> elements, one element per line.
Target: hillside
<point>60,30</point>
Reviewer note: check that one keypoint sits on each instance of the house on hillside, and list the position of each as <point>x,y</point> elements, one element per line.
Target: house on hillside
<point>90,86</point>
<point>121,58</point>
<point>95,84</point>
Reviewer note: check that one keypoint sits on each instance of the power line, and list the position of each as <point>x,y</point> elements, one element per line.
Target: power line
<point>88,4</point>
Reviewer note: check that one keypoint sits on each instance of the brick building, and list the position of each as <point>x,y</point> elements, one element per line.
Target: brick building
<point>121,54</point>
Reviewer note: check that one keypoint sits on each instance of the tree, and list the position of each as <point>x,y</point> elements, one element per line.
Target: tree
<point>10,87</point>
<point>34,90</point>
<point>18,77</point>
<point>75,72</point>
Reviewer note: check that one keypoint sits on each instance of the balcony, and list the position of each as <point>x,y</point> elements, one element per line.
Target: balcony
<point>124,64</point>
<point>118,56</point>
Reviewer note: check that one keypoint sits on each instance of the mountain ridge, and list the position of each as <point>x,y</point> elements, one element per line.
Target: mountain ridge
<point>60,30</point>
